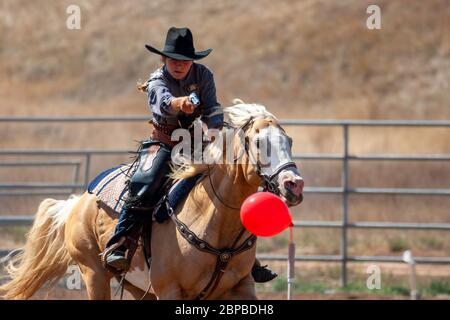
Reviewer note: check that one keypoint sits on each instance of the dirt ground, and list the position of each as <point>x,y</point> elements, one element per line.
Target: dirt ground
<point>394,270</point>
<point>65,294</point>
<point>323,296</point>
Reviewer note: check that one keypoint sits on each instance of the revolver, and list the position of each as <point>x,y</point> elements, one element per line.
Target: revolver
<point>193,98</point>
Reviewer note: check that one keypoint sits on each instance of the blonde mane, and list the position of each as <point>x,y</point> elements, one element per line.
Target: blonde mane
<point>235,116</point>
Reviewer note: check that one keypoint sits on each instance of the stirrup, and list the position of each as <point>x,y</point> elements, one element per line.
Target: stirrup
<point>117,260</point>
<point>263,274</point>
<point>109,250</point>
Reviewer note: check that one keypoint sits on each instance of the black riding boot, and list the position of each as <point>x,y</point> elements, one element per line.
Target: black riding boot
<point>262,273</point>
<point>145,189</point>
<point>128,220</point>
<point>117,259</point>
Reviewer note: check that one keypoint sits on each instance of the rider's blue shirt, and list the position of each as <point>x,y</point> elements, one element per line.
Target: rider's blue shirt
<point>162,88</point>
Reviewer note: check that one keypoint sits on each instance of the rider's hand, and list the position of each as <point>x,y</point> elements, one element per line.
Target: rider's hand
<point>183,104</point>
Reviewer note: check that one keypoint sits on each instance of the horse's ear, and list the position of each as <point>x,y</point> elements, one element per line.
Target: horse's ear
<point>237,101</point>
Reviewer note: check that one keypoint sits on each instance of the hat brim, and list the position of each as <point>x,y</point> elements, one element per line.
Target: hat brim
<point>196,56</point>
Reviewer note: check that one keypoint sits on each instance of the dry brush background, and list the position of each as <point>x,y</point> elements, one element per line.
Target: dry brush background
<point>306,59</point>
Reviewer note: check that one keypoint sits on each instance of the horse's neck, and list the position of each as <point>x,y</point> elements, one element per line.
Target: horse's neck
<point>206,215</point>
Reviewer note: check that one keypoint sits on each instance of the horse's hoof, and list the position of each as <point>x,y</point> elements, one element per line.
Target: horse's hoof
<point>263,274</point>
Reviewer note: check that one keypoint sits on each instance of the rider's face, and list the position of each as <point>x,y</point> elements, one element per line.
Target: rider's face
<point>177,68</point>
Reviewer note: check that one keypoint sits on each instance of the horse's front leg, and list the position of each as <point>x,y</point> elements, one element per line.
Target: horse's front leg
<point>244,290</point>
<point>172,292</point>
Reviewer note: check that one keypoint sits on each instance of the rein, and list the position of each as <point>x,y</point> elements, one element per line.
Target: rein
<point>223,256</point>
<point>268,183</point>
<point>217,194</point>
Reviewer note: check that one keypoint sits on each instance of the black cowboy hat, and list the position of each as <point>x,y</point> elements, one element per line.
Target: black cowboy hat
<point>179,45</point>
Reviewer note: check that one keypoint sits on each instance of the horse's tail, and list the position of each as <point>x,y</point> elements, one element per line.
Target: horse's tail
<point>44,257</point>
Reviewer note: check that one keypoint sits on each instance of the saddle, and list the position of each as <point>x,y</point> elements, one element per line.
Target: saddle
<point>111,189</point>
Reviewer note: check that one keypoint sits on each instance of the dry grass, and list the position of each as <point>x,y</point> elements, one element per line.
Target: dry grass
<point>302,59</point>
<point>309,58</point>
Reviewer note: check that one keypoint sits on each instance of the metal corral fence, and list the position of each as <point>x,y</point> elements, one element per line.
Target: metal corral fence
<point>344,189</point>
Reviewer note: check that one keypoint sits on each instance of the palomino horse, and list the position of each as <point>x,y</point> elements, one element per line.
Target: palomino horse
<point>75,231</point>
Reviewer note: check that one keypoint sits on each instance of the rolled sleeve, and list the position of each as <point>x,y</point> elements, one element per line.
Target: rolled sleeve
<point>160,98</point>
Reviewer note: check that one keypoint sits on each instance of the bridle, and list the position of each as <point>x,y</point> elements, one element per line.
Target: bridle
<point>268,182</point>
<point>224,255</point>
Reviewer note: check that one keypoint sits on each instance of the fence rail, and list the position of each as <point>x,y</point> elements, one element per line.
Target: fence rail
<point>41,189</point>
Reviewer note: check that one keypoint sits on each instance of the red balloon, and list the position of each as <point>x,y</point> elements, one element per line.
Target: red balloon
<point>265,214</point>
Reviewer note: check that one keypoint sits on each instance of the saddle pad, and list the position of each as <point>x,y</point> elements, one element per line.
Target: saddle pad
<point>110,186</point>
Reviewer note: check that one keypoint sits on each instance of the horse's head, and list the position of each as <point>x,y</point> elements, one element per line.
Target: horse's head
<point>266,157</point>
<point>252,138</point>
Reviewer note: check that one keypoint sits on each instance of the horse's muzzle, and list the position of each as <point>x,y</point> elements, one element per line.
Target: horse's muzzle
<point>292,191</point>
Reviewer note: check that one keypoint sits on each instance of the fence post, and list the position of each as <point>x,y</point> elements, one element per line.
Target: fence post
<point>76,172</point>
<point>344,208</point>
<point>87,169</point>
